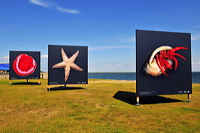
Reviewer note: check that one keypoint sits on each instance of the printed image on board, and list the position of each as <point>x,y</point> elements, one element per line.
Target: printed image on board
<point>24,65</point>
<point>67,64</point>
<point>163,63</point>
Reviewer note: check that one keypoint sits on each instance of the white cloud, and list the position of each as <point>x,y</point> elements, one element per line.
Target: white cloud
<point>4,58</point>
<point>196,64</point>
<point>116,67</point>
<point>71,11</point>
<point>198,26</point>
<point>44,56</point>
<point>196,37</point>
<point>39,2</point>
<point>53,5</point>
<point>110,47</point>
<point>113,66</point>
<point>129,39</point>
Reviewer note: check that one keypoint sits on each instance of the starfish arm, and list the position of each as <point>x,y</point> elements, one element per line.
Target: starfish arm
<point>59,65</point>
<point>67,71</point>
<point>74,56</point>
<point>64,56</point>
<point>76,67</point>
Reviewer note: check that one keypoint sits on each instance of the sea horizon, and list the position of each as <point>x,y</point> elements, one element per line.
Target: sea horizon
<point>129,76</point>
<point>124,72</point>
<point>114,76</point>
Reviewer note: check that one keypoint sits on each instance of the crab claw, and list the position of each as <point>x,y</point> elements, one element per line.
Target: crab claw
<point>171,52</point>
<point>162,59</point>
<point>155,66</point>
<point>178,48</point>
<point>158,50</point>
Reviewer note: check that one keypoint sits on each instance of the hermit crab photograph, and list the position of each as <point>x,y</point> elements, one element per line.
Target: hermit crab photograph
<point>162,60</point>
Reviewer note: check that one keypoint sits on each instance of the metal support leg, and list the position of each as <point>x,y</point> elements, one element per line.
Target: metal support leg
<point>48,88</point>
<point>39,83</point>
<point>137,101</point>
<point>189,97</point>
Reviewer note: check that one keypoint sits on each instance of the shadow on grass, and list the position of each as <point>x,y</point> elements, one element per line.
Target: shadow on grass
<point>64,88</point>
<point>130,98</point>
<point>26,83</point>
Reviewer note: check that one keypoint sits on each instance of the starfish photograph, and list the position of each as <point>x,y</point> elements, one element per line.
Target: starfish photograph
<point>68,63</point>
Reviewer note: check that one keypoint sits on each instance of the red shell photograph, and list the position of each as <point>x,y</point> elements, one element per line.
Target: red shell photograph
<point>24,65</point>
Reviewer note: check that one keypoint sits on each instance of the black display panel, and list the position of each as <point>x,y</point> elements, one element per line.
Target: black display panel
<point>24,65</point>
<point>67,64</point>
<point>163,63</point>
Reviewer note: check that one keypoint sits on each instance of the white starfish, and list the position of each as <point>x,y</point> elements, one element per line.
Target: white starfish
<point>68,63</point>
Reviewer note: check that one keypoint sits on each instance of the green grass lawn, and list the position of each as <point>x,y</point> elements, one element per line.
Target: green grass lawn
<point>106,106</point>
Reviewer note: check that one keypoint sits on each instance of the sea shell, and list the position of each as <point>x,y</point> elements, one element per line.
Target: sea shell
<point>152,66</point>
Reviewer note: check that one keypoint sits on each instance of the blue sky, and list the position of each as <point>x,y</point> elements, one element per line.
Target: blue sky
<point>107,27</point>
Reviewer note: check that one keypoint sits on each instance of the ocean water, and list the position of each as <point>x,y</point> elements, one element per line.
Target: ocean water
<point>131,76</point>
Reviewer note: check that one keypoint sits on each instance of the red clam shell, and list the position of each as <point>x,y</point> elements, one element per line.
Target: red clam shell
<point>24,65</point>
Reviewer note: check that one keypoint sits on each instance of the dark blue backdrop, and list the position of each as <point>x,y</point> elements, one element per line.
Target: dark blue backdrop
<point>57,75</point>
<point>34,54</point>
<point>179,81</point>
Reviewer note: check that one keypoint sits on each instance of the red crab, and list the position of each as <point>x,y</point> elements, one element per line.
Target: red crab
<point>162,59</point>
